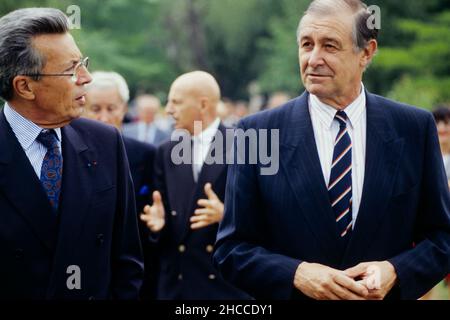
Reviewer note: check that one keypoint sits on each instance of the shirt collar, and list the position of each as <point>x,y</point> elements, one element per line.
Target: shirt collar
<point>208,134</point>
<point>25,130</point>
<point>326,112</point>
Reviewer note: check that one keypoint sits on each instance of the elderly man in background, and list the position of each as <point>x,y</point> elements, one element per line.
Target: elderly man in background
<point>107,101</point>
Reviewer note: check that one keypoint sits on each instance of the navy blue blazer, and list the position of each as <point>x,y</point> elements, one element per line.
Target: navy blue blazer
<point>186,268</point>
<point>95,228</point>
<point>272,223</point>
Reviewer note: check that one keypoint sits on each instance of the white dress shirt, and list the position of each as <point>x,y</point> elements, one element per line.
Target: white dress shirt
<point>26,133</point>
<point>201,145</point>
<point>325,132</point>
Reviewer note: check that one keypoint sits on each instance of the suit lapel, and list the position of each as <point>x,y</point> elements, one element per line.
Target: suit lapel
<point>209,173</point>
<point>300,161</point>
<point>78,175</point>
<point>19,183</point>
<point>383,151</point>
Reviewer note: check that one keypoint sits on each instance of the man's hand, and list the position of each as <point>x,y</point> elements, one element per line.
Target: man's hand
<point>324,283</point>
<point>378,277</point>
<point>212,211</point>
<point>154,216</point>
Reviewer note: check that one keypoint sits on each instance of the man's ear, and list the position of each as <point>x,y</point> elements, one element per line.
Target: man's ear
<point>369,52</point>
<point>23,86</point>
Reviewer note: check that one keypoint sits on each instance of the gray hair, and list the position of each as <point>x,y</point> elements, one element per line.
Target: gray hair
<point>17,55</point>
<point>361,34</point>
<point>104,79</point>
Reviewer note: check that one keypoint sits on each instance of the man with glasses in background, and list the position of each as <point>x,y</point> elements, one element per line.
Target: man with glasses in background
<point>68,227</point>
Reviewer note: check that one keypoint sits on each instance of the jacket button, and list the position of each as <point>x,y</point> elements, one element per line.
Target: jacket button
<point>100,239</point>
<point>212,276</point>
<point>91,298</point>
<point>181,248</point>
<point>173,213</point>
<point>18,254</point>
<point>180,277</point>
<point>209,248</point>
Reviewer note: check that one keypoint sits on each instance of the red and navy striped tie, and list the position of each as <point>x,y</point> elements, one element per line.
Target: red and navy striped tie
<point>51,170</point>
<point>340,184</point>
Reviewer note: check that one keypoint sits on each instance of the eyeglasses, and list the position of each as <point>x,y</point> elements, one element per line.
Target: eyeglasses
<point>75,74</point>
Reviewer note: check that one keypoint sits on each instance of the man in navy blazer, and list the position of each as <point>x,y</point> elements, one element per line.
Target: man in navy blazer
<point>359,208</point>
<point>188,203</point>
<point>68,227</point>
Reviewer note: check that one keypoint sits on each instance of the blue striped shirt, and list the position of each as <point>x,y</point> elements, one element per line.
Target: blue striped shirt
<point>26,133</point>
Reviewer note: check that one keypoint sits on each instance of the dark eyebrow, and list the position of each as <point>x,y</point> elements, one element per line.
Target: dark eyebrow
<point>336,42</point>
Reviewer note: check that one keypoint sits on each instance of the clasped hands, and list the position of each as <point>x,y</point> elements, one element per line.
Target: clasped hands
<point>365,281</point>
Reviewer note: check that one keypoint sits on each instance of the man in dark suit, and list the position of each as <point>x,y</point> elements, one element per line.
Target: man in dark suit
<point>189,202</point>
<point>106,101</point>
<point>68,227</point>
<point>360,206</point>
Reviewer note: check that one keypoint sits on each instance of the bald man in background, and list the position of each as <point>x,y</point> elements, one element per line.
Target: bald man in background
<point>188,203</point>
<point>145,129</point>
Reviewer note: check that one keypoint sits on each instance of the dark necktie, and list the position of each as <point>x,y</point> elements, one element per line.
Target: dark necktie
<point>51,171</point>
<point>340,185</point>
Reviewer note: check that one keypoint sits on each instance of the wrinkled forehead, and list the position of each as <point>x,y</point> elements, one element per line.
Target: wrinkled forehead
<point>57,48</point>
<point>338,26</point>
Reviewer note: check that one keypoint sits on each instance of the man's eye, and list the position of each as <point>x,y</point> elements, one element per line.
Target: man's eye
<point>306,44</point>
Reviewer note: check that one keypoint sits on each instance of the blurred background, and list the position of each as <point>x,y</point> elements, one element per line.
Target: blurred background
<point>250,47</point>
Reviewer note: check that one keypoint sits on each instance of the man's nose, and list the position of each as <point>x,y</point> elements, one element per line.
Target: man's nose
<point>315,58</point>
<point>84,77</point>
<point>103,116</point>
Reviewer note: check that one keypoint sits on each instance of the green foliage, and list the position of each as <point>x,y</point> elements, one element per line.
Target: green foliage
<point>150,42</point>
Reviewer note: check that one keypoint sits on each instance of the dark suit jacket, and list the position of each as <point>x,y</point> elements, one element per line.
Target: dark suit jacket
<point>95,228</point>
<point>141,159</point>
<point>272,223</point>
<point>188,274</point>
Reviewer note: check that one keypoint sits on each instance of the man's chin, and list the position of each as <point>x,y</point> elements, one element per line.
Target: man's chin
<point>317,89</point>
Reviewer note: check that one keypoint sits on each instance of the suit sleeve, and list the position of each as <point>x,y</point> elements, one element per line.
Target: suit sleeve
<point>427,263</point>
<point>127,264</point>
<point>241,254</point>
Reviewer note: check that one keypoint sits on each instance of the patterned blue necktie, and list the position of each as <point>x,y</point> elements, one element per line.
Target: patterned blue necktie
<point>51,171</point>
<point>340,185</point>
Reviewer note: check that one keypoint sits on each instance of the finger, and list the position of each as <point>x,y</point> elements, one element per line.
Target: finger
<point>202,217</point>
<point>144,217</point>
<point>199,225</point>
<point>343,293</point>
<point>204,203</point>
<point>147,209</point>
<point>209,192</point>
<point>157,197</point>
<point>204,211</point>
<point>351,285</point>
<point>356,271</point>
